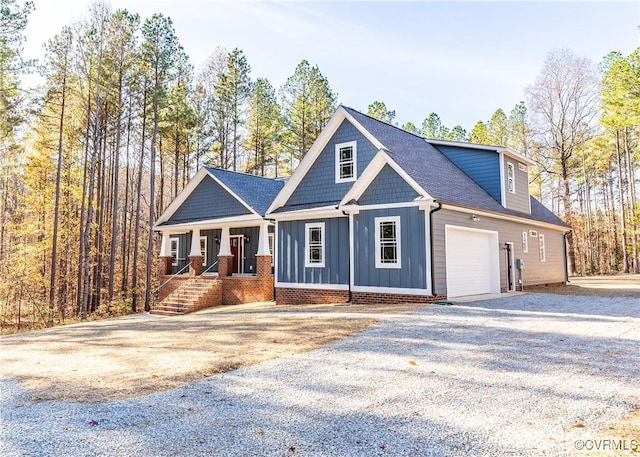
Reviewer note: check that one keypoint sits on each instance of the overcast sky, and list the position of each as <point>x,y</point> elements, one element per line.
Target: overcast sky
<point>462,60</point>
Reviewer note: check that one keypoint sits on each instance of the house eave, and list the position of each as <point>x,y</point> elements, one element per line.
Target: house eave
<point>507,217</point>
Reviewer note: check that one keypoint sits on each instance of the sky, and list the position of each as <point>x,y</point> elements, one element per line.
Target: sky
<point>461,60</point>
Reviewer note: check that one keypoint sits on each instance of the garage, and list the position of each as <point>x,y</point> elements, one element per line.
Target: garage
<point>472,262</point>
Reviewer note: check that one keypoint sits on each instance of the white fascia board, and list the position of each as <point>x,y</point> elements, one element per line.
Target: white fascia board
<point>318,146</point>
<point>522,220</point>
<point>503,187</point>
<point>517,156</point>
<point>302,285</point>
<point>373,169</point>
<point>308,160</point>
<point>313,213</point>
<point>182,196</point>
<point>246,220</point>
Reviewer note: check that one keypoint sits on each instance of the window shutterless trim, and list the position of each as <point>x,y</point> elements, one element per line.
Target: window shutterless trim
<point>393,242</point>
<point>353,161</point>
<point>310,245</point>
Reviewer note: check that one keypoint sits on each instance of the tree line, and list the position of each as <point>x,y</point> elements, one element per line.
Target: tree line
<point>122,120</point>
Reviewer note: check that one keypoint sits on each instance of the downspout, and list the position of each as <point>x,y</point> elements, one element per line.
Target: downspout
<point>349,257</point>
<point>564,255</point>
<point>432,260</point>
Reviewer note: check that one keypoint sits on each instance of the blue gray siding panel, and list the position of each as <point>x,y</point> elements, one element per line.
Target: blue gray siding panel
<point>387,187</point>
<point>291,239</point>
<point>319,186</point>
<point>481,166</point>
<point>413,250</point>
<point>208,201</point>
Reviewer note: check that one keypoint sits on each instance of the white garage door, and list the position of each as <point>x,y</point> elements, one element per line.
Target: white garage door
<point>472,262</point>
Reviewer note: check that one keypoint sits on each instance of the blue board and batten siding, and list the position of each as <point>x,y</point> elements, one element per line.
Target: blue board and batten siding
<point>291,252</point>
<point>481,166</point>
<point>387,187</point>
<point>413,255</point>
<point>319,184</point>
<point>208,201</point>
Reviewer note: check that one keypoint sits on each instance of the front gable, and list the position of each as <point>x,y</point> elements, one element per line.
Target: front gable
<point>388,187</point>
<point>319,183</point>
<point>208,200</point>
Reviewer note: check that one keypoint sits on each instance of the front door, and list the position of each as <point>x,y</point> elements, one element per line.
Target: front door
<point>237,252</point>
<point>510,275</point>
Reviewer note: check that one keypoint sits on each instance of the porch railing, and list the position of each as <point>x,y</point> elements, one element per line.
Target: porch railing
<point>155,292</point>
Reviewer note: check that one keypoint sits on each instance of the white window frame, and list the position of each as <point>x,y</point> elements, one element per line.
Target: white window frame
<point>203,251</point>
<point>511,178</point>
<point>175,258</point>
<point>307,246</point>
<point>271,239</point>
<point>378,241</point>
<point>533,233</point>
<point>541,248</point>
<point>354,160</point>
<point>525,242</point>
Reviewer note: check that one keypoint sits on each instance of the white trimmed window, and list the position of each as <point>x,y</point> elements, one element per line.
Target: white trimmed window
<point>525,242</point>
<point>314,245</point>
<point>387,238</point>
<point>203,250</point>
<point>346,161</point>
<point>175,248</point>
<point>511,178</point>
<point>271,243</point>
<point>541,248</point>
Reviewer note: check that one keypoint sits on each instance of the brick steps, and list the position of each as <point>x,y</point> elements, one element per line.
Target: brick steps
<point>194,294</point>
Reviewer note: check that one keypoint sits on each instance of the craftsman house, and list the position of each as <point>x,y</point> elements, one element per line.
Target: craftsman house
<point>377,214</point>
<point>371,214</point>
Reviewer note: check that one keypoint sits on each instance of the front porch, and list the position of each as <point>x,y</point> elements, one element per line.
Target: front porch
<point>229,265</point>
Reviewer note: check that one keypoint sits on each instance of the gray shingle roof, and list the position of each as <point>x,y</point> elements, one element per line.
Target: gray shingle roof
<point>256,191</point>
<point>436,174</point>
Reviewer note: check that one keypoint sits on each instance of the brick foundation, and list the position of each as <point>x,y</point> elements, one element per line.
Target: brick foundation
<point>246,289</point>
<point>224,265</point>
<point>291,296</point>
<point>263,265</point>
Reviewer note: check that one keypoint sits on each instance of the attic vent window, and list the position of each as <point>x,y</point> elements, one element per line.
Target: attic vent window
<point>346,161</point>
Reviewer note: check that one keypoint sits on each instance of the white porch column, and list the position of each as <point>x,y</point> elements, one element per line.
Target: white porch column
<point>225,242</point>
<point>195,243</point>
<point>263,240</point>
<point>165,248</point>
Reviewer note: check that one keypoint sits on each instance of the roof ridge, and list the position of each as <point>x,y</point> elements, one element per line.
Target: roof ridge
<point>241,173</point>
<point>386,123</point>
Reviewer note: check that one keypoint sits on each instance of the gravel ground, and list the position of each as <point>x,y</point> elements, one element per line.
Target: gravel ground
<point>526,375</point>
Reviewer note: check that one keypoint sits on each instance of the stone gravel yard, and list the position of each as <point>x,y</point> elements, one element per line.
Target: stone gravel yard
<point>528,374</point>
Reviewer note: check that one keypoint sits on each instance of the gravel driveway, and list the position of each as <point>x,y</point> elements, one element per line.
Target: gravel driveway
<point>525,375</point>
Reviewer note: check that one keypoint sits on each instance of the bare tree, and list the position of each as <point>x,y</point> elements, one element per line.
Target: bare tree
<point>564,105</point>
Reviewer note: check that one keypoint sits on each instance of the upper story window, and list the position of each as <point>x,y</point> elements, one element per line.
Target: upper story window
<point>387,239</point>
<point>541,247</point>
<point>346,161</point>
<point>511,178</point>
<point>314,245</point>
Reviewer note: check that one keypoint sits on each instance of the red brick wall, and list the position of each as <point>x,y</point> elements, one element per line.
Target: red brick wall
<point>288,296</point>
<point>170,286</point>
<point>370,298</point>
<point>211,298</point>
<point>246,289</point>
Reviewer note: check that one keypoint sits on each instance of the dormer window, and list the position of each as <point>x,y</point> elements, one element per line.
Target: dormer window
<point>346,161</point>
<point>511,178</point>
